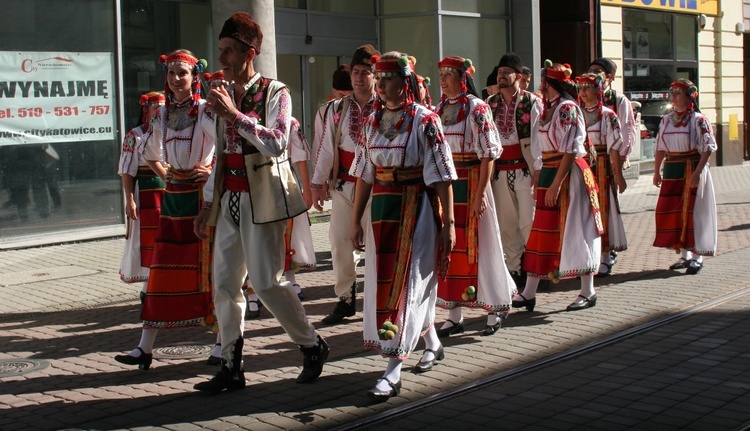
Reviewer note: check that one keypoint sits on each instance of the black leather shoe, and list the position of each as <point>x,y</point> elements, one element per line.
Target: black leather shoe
<point>252,314</point>
<point>225,379</point>
<point>425,366</point>
<point>491,329</point>
<point>395,389</point>
<point>315,357</point>
<point>680,264</point>
<point>528,303</point>
<point>694,267</point>
<point>457,328</point>
<point>143,361</point>
<point>300,295</point>
<point>344,308</point>
<point>606,272</point>
<point>586,303</point>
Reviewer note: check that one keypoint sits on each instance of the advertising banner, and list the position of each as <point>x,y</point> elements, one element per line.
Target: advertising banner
<point>50,97</point>
<point>708,7</point>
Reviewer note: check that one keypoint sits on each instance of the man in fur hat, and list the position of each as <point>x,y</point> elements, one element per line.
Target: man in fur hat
<point>342,134</point>
<point>249,196</point>
<point>515,112</point>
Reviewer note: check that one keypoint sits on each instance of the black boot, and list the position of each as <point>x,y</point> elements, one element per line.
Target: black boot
<point>313,363</point>
<point>226,379</point>
<point>344,308</point>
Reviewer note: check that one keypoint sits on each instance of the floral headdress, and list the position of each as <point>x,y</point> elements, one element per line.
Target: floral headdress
<point>559,80</point>
<point>690,90</point>
<point>466,69</point>
<point>393,67</point>
<point>192,63</point>
<point>592,80</point>
<point>148,99</point>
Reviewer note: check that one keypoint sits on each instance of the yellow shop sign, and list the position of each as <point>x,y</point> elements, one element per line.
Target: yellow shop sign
<point>707,7</point>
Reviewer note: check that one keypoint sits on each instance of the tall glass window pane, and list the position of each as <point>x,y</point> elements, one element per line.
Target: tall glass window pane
<point>686,37</point>
<point>495,7</point>
<point>290,73</point>
<point>366,7</point>
<point>484,41</point>
<point>64,184</point>
<point>647,34</point>
<point>416,37</point>
<point>293,4</point>
<point>392,7</point>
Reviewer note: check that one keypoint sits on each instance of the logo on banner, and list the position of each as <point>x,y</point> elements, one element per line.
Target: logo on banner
<point>28,65</point>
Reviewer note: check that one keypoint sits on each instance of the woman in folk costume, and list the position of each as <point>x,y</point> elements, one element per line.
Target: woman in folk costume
<point>603,129</point>
<point>565,237</point>
<point>182,138</point>
<point>686,210</point>
<point>406,166</point>
<point>143,194</point>
<point>477,277</point>
<point>300,253</point>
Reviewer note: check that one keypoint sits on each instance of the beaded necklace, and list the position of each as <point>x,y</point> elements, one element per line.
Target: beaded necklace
<point>680,119</point>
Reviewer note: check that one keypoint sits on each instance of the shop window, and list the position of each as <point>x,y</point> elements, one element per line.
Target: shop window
<point>55,183</point>
<point>658,48</point>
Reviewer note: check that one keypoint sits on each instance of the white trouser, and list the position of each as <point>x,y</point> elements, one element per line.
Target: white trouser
<point>343,255</point>
<point>515,214</point>
<point>258,250</point>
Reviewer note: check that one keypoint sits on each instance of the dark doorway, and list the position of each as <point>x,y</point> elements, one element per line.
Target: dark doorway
<point>569,32</point>
<point>746,62</point>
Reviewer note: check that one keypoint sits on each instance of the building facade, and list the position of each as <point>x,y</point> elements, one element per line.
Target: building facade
<point>68,97</point>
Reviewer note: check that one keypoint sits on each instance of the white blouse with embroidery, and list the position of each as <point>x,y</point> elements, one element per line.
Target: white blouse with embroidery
<point>566,131</point>
<point>183,149</point>
<point>477,133</point>
<point>421,144</point>
<point>696,135</point>
<point>607,132</point>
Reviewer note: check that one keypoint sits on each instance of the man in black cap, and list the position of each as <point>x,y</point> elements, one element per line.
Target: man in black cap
<point>623,108</point>
<point>341,86</point>
<point>515,112</point>
<point>342,134</point>
<point>249,196</point>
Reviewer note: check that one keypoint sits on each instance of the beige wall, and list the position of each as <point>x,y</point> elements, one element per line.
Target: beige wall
<point>612,40</point>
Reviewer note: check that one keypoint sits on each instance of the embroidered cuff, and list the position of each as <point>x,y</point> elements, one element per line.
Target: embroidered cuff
<point>207,205</point>
<point>316,186</point>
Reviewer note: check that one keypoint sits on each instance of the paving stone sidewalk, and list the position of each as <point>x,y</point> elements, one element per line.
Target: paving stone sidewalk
<point>64,311</point>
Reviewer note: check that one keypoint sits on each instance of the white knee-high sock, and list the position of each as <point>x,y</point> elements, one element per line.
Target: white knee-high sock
<point>587,286</point>
<point>292,278</point>
<point>392,373</point>
<point>431,344</point>
<point>456,315</point>
<point>217,347</point>
<point>686,254</point>
<point>532,283</point>
<point>252,299</point>
<point>148,336</point>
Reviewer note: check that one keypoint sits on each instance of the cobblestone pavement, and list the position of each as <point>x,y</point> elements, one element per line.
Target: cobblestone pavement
<point>64,314</point>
